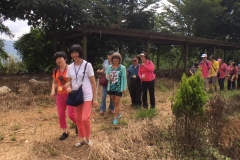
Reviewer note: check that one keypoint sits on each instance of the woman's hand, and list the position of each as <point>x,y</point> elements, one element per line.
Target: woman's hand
<point>68,84</point>
<point>95,104</point>
<point>69,89</point>
<point>52,95</point>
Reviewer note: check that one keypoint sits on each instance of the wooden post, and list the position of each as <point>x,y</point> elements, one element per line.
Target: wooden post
<point>158,57</point>
<point>224,56</point>
<point>186,58</point>
<point>85,47</point>
<point>147,47</point>
<point>233,54</point>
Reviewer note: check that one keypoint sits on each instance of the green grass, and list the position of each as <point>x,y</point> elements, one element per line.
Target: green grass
<point>149,113</point>
<point>15,127</point>
<point>12,137</point>
<point>71,124</point>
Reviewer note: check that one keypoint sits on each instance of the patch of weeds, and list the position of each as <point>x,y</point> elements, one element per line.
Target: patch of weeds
<point>162,87</point>
<point>124,101</point>
<point>1,137</point>
<point>39,110</point>
<point>149,113</point>
<point>103,128</point>
<point>51,151</point>
<point>71,124</point>
<point>12,137</point>
<point>162,99</point>
<point>15,127</point>
<point>123,122</point>
<point>55,116</point>
<point>97,110</point>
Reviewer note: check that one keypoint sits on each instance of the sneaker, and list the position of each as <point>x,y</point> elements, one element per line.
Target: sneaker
<point>79,144</point>
<point>89,142</point>
<point>119,116</point>
<point>112,111</point>
<point>115,121</point>
<point>64,136</point>
<point>101,113</point>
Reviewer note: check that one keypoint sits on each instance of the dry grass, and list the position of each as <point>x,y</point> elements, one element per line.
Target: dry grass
<point>29,128</point>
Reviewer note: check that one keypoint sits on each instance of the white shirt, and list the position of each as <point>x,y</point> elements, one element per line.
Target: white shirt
<point>76,73</point>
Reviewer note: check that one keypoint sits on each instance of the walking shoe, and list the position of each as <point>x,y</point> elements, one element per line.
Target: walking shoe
<point>79,144</point>
<point>119,116</point>
<point>101,113</point>
<point>115,121</point>
<point>89,142</point>
<point>64,136</point>
<point>112,111</point>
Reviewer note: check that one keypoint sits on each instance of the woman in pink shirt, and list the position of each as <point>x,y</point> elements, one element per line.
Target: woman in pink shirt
<point>147,77</point>
<point>223,72</point>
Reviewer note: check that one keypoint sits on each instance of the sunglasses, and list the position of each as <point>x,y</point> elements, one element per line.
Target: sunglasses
<point>115,57</point>
<point>62,81</point>
<point>134,60</point>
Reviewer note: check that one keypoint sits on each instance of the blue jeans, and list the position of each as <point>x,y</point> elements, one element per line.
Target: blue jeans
<point>103,102</point>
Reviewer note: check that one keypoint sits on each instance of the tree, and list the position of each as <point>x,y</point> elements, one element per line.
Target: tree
<point>193,17</point>
<point>35,50</point>
<point>188,108</point>
<point>3,29</point>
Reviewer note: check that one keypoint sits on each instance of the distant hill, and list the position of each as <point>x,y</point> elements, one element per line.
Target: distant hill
<point>10,49</point>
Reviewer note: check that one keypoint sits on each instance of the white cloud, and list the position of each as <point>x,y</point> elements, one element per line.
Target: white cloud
<point>18,28</point>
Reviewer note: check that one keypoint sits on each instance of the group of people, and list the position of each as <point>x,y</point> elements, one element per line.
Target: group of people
<point>68,78</point>
<point>216,71</point>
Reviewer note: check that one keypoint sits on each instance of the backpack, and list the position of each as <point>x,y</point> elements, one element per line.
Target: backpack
<point>206,63</point>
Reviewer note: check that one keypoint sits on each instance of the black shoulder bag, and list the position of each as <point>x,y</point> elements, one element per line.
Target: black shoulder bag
<point>75,98</point>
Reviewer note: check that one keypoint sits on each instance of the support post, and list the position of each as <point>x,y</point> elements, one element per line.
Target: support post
<point>233,54</point>
<point>147,47</point>
<point>158,57</point>
<point>224,56</point>
<point>85,47</point>
<point>186,58</point>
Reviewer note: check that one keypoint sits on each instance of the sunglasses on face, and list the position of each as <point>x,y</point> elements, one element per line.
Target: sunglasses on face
<point>134,60</point>
<point>115,57</point>
<point>62,81</point>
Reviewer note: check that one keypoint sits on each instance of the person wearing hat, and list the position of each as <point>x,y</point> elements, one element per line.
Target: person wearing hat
<point>223,73</point>
<point>117,83</point>
<point>147,76</point>
<point>205,67</point>
<point>106,63</point>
